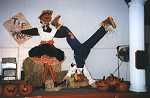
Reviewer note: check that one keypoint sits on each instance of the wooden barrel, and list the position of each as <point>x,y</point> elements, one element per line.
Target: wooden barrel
<point>10,90</point>
<point>25,89</point>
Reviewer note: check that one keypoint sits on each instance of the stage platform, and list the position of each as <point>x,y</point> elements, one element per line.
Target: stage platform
<point>82,93</point>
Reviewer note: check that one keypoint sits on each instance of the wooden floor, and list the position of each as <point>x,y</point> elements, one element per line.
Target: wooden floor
<point>82,93</point>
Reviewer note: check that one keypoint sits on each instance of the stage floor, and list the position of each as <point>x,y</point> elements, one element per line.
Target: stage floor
<point>82,93</point>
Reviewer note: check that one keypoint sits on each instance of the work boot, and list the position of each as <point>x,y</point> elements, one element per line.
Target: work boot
<point>55,22</point>
<point>109,22</point>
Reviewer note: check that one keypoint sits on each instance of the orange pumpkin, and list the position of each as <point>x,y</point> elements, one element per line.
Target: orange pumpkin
<point>112,80</point>
<point>102,85</point>
<point>10,90</point>
<point>25,89</point>
<point>79,77</point>
<point>122,87</point>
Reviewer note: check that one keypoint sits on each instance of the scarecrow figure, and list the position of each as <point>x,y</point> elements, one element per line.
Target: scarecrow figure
<point>82,50</point>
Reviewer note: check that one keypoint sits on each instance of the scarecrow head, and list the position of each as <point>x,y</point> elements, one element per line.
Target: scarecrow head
<point>46,17</point>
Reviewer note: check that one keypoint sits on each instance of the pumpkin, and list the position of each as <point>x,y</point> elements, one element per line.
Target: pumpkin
<point>122,87</point>
<point>78,77</point>
<point>115,82</point>
<point>102,84</point>
<point>10,90</point>
<point>25,89</point>
<point>112,80</point>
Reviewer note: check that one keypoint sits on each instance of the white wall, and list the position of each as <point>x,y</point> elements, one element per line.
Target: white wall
<point>83,18</point>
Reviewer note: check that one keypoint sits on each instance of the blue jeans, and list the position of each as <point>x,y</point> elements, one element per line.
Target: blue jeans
<point>81,51</point>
